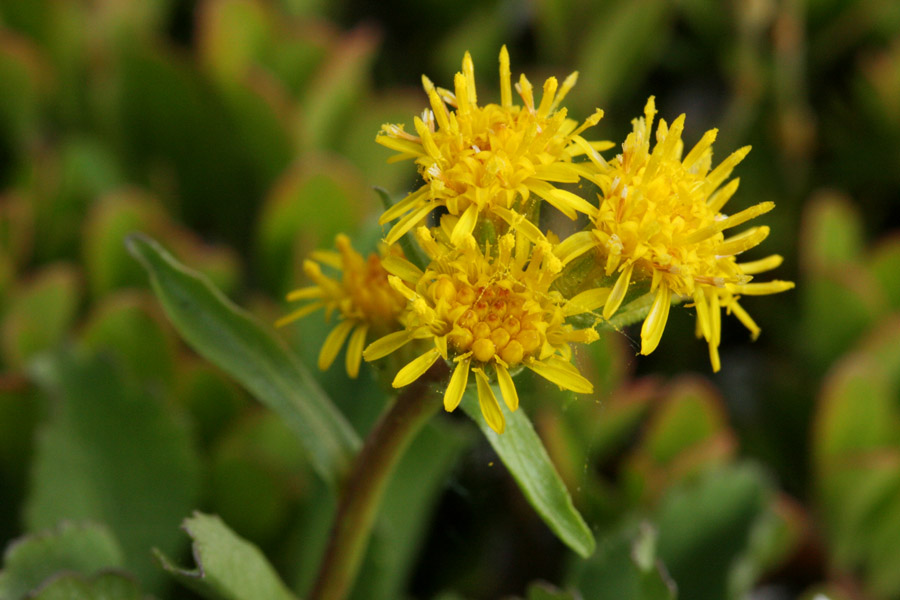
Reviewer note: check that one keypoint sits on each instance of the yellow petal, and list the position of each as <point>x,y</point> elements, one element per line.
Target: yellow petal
<point>465,225</point>
<point>745,319</point>
<point>590,152</point>
<point>405,205</point>
<point>715,320</point>
<point>762,265</point>
<point>565,201</point>
<point>574,246</point>
<point>586,301</point>
<point>520,224</point>
<point>407,223</point>
<point>566,378</point>
<point>507,387</point>
<point>355,350</point>
<point>333,343</point>
<point>714,357</point>
<point>718,200</point>
<point>490,408</point>
<point>437,105</point>
<point>461,86</point>
<point>387,344</point>
<point>402,268</point>
<point>415,369</point>
<point>427,139</point>
<point>700,148</point>
<point>729,222</point>
<point>469,72</point>
<point>721,173</point>
<point>567,85</point>
<point>550,87</point>
<point>764,288</point>
<point>655,323</point>
<point>505,79</point>
<point>618,293</point>
<point>702,307</point>
<point>743,241</point>
<point>299,313</point>
<point>306,293</point>
<point>457,385</point>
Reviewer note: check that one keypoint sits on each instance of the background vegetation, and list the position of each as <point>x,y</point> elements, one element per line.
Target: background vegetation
<point>240,133</point>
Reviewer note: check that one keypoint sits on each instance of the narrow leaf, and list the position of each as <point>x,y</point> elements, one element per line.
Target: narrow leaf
<point>524,455</point>
<point>233,340</point>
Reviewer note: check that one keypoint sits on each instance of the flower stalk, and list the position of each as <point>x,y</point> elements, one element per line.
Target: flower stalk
<point>362,491</point>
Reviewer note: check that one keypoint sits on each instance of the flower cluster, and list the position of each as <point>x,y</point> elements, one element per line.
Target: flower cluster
<point>495,294</point>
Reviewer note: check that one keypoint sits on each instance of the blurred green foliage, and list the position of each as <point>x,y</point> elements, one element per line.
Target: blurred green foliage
<point>240,134</point>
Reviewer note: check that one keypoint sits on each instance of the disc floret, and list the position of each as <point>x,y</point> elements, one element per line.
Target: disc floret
<point>488,312</point>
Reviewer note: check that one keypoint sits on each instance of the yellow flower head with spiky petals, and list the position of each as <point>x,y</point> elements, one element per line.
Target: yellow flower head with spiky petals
<point>659,219</point>
<point>488,160</point>
<point>362,296</point>
<point>490,311</point>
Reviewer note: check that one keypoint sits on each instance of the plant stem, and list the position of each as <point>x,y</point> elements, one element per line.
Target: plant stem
<point>362,491</point>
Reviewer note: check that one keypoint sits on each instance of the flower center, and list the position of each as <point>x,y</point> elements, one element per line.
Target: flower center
<point>490,321</point>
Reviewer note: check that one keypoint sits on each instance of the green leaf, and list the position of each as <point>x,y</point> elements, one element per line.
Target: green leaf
<point>849,292</point>
<point>690,415</point>
<point>705,525</point>
<point>131,327</point>
<point>234,341</point>
<point>394,106</point>
<point>110,219</point>
<point>40,314</point>
<point>23,69</point>
<point>292,223</point>
<point>104,586</point>
<point>332,95</point>
<point>228,568</point>
<point>524,455</point>
<point>545,591</point>
<point>111,452</point>
<point>81,548</point>
<point>16,231</point>
<point>20,411</point>
<point>633,32</point>
<point>831,233</point>
<point>625,566</point>
<point>856,449</point>
<point>883,266</point>
<point>259,464</point>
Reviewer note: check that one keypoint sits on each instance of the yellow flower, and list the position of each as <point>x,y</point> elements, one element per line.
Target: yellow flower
<point>362,296</point>
<point>490,312</point>
<point>478,160</point>
<point>659,219</point>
